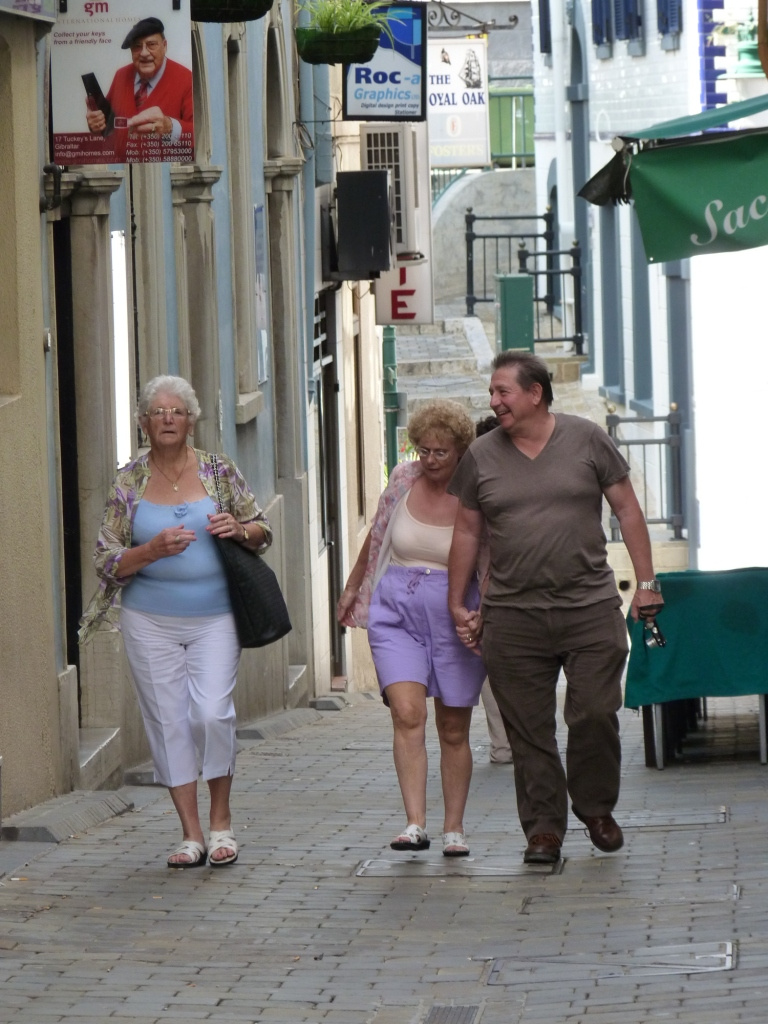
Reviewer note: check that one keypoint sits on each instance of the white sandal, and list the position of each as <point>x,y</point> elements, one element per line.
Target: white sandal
<point>224,839</point>
<point>413,837</point>
<point>455,844</point>
<point>189,848</point>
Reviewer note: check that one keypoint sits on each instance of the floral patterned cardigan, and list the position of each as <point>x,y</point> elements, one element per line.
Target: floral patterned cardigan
<point>117,525</point>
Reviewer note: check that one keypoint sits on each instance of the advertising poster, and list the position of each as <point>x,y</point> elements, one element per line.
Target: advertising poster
<point>121,83</point>
<point>44,10</point>
<point>391,86</point>
<point>457,91</point>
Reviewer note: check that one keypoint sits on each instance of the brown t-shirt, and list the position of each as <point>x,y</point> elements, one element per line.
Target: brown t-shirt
<point>544,515</point>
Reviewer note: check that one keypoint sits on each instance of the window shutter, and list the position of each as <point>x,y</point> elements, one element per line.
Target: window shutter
<point>662,16</point>
<point>675,16</point>
<point>545,27</point>
<point>634,19</point>
<point>601,22</point>
<point>620,19</point>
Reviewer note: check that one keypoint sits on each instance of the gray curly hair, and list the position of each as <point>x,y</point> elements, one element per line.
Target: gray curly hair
<point>172,386</point>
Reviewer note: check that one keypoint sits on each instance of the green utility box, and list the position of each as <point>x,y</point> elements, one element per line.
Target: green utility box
<point>514,311</point>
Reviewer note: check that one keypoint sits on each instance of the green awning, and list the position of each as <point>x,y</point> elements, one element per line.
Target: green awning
<point>705,197</point>
<point>701,122</point>
<point>693,194</point>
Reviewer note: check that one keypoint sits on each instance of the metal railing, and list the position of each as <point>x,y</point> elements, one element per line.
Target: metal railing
<point>495,252</point>
<point>556,272</point>
<point>556,307</point>
<point>659,482</point>
<point>441,179</point>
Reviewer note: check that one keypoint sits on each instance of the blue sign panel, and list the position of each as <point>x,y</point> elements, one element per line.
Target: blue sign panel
<point>393,85</point>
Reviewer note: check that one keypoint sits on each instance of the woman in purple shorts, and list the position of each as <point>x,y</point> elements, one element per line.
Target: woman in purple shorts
<point>398,588</point>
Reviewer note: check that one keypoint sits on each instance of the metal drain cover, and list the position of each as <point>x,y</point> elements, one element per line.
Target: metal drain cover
<point>666,819</point>
<point>415,866</point>
<point>695,958</point>
<point>658,896</point>
<point>452,1015</point>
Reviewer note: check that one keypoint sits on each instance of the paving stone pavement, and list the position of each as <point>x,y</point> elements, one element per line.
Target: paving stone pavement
<point>320,922</point>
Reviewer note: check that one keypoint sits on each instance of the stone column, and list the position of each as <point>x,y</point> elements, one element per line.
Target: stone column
<point>196,282</point>
<point>94,354</point>
<point>290,376</point>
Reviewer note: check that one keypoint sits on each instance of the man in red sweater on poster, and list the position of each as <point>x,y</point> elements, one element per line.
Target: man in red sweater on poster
<point>151,100</point>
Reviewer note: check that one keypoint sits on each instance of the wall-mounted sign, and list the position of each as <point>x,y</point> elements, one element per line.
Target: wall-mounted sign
<point>43,10</point>
<point>121,82</point>
<point>391,86</point>
<point>457,92</point>
<point>406,294</point>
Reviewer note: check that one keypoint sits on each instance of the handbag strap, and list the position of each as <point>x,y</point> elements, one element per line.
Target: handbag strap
<point>215,463</point>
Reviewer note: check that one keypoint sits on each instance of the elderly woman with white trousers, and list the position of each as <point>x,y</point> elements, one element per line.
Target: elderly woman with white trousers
<point>156,552</point>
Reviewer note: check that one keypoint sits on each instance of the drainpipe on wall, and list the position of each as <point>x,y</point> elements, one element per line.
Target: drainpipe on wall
<point>391,402</point>
<point>307,116</point>
<point>562,156</point>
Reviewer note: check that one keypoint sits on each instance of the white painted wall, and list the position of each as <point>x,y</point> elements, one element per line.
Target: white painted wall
<point>730,347</point>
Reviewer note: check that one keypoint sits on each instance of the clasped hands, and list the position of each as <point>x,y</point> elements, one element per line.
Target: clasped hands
<point>469,628</point>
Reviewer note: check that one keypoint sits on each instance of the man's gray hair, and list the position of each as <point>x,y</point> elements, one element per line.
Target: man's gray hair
<point>530,370</point>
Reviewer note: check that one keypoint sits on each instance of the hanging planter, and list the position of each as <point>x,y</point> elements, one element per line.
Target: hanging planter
<point>229,10</point>
<point>341,31</point>
<point>356,47</point>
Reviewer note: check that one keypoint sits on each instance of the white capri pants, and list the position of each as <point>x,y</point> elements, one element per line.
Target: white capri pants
<point>184,671</point>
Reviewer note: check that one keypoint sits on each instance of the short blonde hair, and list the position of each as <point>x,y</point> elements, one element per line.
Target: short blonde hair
<point>442,416</point>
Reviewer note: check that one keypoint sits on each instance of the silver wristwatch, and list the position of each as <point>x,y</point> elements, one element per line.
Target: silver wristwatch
<point>654,585</point>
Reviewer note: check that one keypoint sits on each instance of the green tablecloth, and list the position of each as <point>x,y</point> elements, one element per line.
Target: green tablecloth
<point>716,627</point>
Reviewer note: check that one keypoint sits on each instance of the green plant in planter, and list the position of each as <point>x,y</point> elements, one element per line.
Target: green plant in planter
<point>341,31</point>
<point>345,15</point>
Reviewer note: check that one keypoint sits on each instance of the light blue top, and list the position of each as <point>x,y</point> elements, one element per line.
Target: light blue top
<point>188,584</point>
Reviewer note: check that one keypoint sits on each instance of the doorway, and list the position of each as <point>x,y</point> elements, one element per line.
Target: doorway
<point>327,469</point>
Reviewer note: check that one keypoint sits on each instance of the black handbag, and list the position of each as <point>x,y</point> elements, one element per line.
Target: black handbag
<point>258,605</point>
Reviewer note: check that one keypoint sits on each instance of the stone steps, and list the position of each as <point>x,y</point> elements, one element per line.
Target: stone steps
<point>448,359</point>
<point>451,359</point>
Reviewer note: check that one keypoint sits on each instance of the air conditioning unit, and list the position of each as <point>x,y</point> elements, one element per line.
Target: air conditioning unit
<point>394,148</point>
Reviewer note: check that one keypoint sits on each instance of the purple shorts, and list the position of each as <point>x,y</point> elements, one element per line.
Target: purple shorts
<point>413,637</point>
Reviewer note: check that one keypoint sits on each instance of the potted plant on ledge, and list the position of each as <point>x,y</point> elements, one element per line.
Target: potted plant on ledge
<point>341,31</point>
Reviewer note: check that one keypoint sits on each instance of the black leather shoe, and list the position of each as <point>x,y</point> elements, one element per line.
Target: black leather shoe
<point>604,831</point>
<point>543,849</point>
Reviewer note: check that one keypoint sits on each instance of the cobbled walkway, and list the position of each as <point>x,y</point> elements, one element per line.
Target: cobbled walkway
<point>320,922</point>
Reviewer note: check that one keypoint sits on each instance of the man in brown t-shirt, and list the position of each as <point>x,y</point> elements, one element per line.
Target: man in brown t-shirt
<point>551,602</point>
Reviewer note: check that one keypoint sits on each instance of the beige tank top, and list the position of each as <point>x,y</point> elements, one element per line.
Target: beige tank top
<point>415,543</point>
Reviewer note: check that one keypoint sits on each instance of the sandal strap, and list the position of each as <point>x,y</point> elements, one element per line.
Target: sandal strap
<point>219,839</point>
<point>188,848</point>
<point>412,834</point>
<point>455,839</point>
